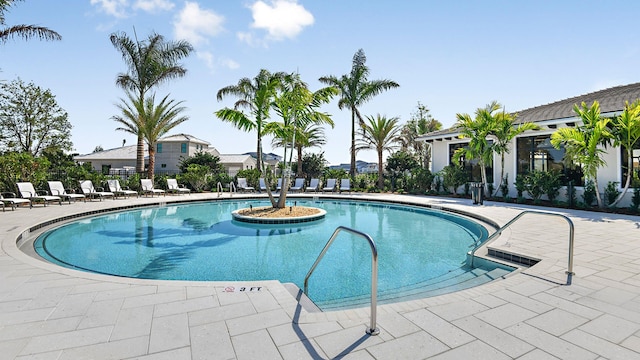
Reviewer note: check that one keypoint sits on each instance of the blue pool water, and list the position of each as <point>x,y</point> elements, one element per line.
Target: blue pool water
<point>200,241</point>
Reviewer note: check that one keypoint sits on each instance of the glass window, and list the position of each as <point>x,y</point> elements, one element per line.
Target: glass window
<point>159,148</point>
<point>635,163</point>
<point>535,153</point>
<point>183,148</point>
<point>471,166</point>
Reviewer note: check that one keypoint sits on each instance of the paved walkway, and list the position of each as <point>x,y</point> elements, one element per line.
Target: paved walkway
<point>47,312</point>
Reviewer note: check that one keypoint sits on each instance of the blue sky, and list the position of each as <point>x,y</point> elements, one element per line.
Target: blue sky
<point>452,56</point>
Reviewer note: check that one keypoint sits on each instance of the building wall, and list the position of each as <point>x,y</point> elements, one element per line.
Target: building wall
<point>171,155</point>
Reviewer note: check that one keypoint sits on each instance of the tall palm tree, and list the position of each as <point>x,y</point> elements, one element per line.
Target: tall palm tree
<point>503,133</point>
<point>354,90</point>
<point>626,133</point>
<point>150,63</point>
<point>23,31</point>
<point>380,134</point>
<point>255,95</point>
<point>150,120</point>
<point>477,130</point>
<point>583,144</point>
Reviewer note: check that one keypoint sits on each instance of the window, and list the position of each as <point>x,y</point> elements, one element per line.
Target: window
<point>635,165</point>
<point>471,166</point>
<point>163,165</point>
<point>159,148</point>
<point>535,153</point>
<point>183,148</point>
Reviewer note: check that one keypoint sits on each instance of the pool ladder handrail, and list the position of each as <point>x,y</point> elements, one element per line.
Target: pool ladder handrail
<point>219,188</point>
<point>232,188</point>
<point>493,236</point>
<point>372,330</point>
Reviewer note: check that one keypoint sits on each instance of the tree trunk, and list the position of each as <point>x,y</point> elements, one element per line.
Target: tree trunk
<point>595,183</point>
<point>380,173</point>
<point>299,172</point>
<point>501,174</point>
<point>152,162</point>
<point>352,168</point>
<point>259,153</point>
<point>140,155</point>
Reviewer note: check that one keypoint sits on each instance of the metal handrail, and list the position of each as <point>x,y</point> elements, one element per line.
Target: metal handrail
<point>232,188</point>
<point>569,271</point>
<point>372,330</point>
<point>219,188</point>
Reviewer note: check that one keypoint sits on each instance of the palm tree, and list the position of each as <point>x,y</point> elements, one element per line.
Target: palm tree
<point>150,120</point>
<point>503,133</point>
<point>311,135</point>
<point>477,130</point>
<point>354,90</point>
<point>298,108</point>
<point>24,31</point>
<point>151,63</point>
<point>583,143</point>
<point>626,133</point>
<point>380,134</point>
<point>421,123</point>
<point>255,95</point>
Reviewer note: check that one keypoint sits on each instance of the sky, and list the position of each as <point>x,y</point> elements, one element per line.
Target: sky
<point>452,56</point>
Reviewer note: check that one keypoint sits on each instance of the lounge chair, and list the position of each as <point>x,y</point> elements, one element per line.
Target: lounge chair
<point>263,185</point>
<point>279,185</point>
<point>116,189</point>
<point>173,187</point>
<point>243,186</point>
<point>298,186</point>
<point>147,187</point>
<point>57,189</point>
<point>330,186</point>
<point>313,185</point>
<point>345,185</point>
<point>27,191</point>
<point>12,200</point>
<point>90,192</point>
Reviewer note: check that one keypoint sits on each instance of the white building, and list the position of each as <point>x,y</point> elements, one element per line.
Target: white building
<point>532,150</point>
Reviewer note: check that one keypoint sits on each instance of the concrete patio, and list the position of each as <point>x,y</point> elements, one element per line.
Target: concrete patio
<point>47,312</point>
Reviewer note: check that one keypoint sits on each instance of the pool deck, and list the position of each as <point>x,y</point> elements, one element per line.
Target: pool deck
<point>47,312</point>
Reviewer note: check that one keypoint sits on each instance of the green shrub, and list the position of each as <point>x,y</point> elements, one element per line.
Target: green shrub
<point>533,184</point>
<point>454,176</point>
<point>611,192</point>
<point>504,187</point>
<point>635,200</point>
<point>551,184</point>
<point>589,194</point>
<point>520,184</point>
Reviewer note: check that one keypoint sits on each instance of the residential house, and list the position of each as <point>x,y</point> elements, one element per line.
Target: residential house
<point>532,150</point>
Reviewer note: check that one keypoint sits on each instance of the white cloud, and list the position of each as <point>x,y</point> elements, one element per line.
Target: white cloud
<point>152,6</point>
<point>116,8</point>
<point>281,19</point>
<point>229,64</point>
<point>196,25</point>
<point>212,62</point>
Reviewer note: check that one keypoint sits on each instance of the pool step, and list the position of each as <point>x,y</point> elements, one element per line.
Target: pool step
<point>456,280</point>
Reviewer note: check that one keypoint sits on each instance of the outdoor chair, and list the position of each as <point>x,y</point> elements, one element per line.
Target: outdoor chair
<point>298,186</point>
<point>116,189</point>
<point>57,189</point>
<point>313,185</point>
<point>279,185</point>
<point>91,192</point>
<point>243,186</point>
<point>147,187</point>
<point>263,185</point>
<point>330,186</point>
<point>173,187</point>
<point>345,185</point>
<point>12,200</point>
<point>27,191</point>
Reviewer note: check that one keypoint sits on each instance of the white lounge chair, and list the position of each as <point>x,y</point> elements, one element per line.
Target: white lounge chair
<point>57,189</point>
<point>279,185</point>
<point>116,189</point>
<point>330,186</point>
<point>173,187</point>
<point>12,200</point>
<point>263,184</point>
<point>243,186</point>
<point>313,185</point>
<point>298,186</point>
<point>147,187</point>
<point>89,191</point>
<point>345,185</point>
<point>27,191</point>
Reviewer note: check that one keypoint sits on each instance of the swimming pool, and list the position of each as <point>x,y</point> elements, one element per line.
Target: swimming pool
<point>200,241</point>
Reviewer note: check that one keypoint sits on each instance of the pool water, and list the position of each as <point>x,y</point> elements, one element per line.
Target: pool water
<point>200,241</point>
